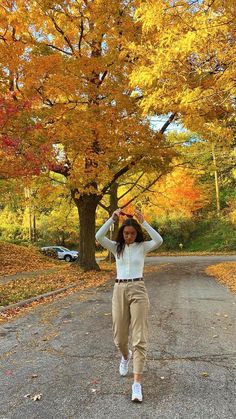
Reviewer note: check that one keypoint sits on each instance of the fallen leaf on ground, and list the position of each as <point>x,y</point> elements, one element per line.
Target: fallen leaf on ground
<point>225,273</point>
<point>16,259</point>
<point>95,382</point>
<point>37,397</point>
<point>8,373</point>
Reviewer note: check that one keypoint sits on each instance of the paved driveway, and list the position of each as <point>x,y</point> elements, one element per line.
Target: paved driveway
<point>64,351</point>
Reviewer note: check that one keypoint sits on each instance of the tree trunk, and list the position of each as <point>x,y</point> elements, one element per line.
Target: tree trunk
<point>30,224</point>
<point>216,181</point>
<point>113,206</point>
<point>87,205</point>
<point>34,226</point>
<point>30,219</point>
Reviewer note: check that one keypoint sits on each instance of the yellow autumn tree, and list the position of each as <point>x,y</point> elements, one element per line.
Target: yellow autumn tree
<point>70,62</point>
<point>185,63</point>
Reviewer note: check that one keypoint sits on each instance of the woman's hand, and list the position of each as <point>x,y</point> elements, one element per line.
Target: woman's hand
<point>139,216</point>
<point>116,214</point>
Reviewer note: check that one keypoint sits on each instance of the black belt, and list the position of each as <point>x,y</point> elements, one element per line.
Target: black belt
<point>128,280</point>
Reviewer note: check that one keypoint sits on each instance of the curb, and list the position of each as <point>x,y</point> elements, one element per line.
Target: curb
<point>32,299</point>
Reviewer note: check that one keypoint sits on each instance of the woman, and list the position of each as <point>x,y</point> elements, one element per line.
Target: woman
<point>130,300</point>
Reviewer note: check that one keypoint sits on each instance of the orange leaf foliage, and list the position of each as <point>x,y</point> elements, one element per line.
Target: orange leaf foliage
<point>70,61</point>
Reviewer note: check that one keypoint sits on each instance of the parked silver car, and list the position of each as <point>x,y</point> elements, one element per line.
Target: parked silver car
<point>62,252</point>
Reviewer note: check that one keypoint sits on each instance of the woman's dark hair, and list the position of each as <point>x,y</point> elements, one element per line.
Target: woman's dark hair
<point>120,236</point>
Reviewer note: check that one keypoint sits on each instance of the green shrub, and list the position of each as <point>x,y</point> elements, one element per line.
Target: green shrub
<point>210,234</point>
<point>175,232</point>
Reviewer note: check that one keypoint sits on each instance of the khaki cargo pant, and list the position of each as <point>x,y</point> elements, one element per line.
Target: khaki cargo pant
<point>130,305</point>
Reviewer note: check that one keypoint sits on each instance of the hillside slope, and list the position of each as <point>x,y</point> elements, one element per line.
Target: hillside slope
<point>15,259</point>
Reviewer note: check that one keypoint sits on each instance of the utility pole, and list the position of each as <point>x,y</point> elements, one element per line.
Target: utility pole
<point>216,181</point>
<point>31,216</point>
<point>111,231</point>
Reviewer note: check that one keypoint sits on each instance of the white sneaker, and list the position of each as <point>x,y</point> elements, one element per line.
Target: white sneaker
<point>137,393</point>
<point>124,364</point>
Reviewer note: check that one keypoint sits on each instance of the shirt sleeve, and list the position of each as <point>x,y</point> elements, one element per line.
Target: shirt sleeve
<point>156,241</point>
<point>104,241</point>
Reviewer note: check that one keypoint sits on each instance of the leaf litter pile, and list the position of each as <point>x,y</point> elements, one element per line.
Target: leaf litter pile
<point>66,275</point>
<point>24,288</point>
<point>225,273</point>
<point>15,259</point>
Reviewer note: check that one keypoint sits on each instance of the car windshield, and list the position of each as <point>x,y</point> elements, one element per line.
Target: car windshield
<point>64,248</point>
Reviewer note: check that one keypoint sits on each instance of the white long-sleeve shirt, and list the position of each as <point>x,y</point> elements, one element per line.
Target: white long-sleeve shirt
<point>130,264</point>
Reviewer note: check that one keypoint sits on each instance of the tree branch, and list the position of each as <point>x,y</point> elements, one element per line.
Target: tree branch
<point>126,168</point>
<point>59,49</point>
<point>167,123</point>
<point>117,175</point>
<point>144,190</point>
<point>62,33</point>
<point>102,78</point>
<point>103,206</point>
<point>133,185</point>
<point>81,33</point>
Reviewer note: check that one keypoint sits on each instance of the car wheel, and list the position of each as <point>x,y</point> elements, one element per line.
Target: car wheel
<point>67,258</point>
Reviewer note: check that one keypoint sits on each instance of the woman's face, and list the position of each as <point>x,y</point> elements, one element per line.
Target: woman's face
<point>129,234</point>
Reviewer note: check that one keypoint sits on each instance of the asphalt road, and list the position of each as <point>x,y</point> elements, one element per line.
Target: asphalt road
<point>64,351</point>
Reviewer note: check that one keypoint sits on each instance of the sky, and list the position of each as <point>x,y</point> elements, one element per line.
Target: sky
<point>156,123</point>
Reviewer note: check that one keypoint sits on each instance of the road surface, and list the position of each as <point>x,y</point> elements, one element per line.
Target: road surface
<point>64,351</point>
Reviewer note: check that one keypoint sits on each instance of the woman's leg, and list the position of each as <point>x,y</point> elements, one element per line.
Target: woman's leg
<point>137,378</point>
<point>139,306</point>
<point>121,318</point>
